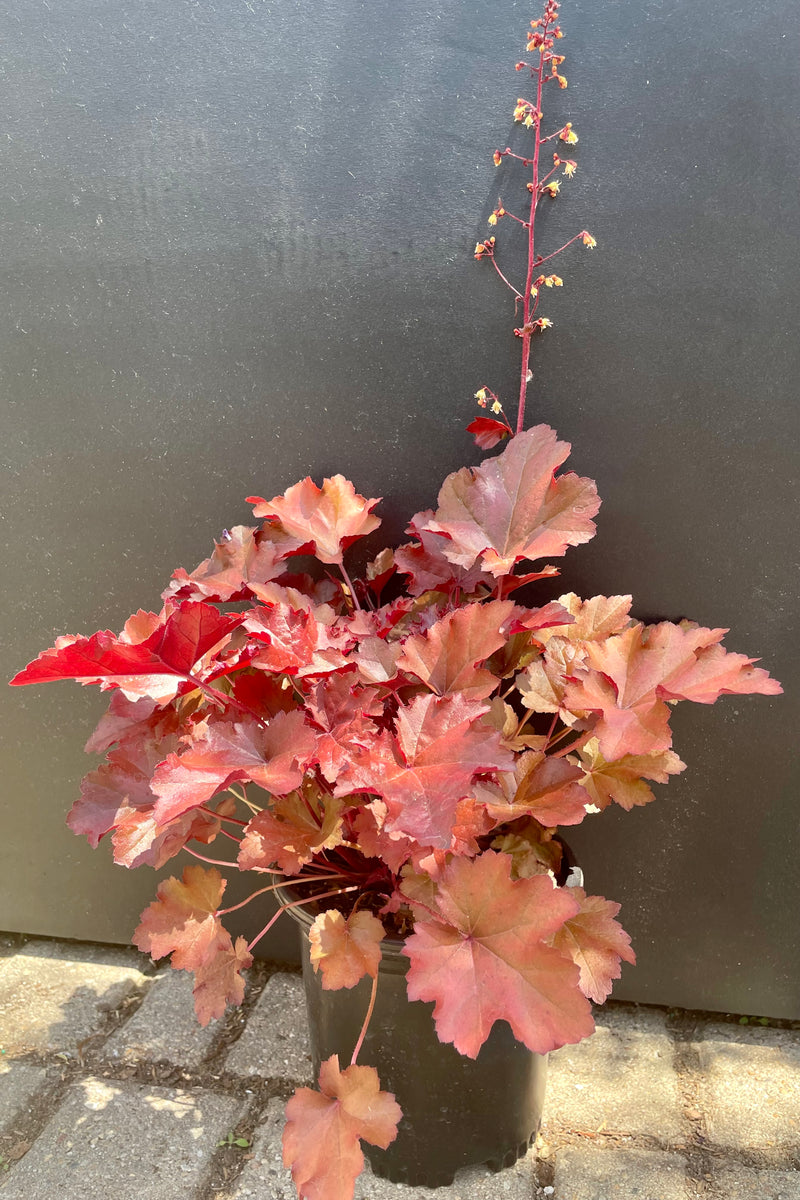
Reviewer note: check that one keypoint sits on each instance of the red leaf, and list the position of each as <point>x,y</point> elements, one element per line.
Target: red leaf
<point>145,668</point>
<point>444,657</point>
<point>345,949</point>
<point>321,1138</point>
<point>424,772</point>
<point>512,507</point>
<point>427,567</point>
<point>488,432</point>
<point>327,518</point>
<point>484,958</point>
<point>274,756</point>
<point>595,942</point>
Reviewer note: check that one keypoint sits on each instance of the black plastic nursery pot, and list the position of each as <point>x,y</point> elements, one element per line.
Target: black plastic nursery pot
<point>457,1112</point>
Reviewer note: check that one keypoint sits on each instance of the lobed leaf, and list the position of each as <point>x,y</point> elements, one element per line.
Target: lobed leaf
<point>484,958</point>
<point>345,949</point>
<point>321,1139</point>
<point>325,519</point>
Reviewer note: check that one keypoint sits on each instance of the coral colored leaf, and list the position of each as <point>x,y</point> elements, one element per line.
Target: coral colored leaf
<point>627,678</point>
<point>345,949</point>
<point>328,518</point>
<point>139,840</point>
<point>286,835</point>
<point>145,668</point>
<point>218,980</point>
<point>242,556</point>
<point>487,432</point>
<point>595,942</point>
<point>321,1140</point>
<point>445,656</point>
<point>273,755</point>
<point>483,958</point>
<point>512,507</point>
<point>182,919</point>
<point>122,783</point>
<point>594,619</point>
<point>623,780</point>
<point>425,770</point>
<point>541,787</point>
<point>428,569</point>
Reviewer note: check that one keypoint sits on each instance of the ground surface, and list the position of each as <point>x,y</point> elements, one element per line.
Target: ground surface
<point>106,1077</point>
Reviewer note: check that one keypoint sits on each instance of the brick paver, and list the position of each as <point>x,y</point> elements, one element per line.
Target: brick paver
<point>274,1043</point>
<point>623,1078</point>
<point>614,1125</point>
<point>752,1083</point>
<point>52,994</point>
<point>742,1183</point>
<point>165,1028</point>
<point>19,1082</point>
<point>589,1174</point>
<point>124,1140</point>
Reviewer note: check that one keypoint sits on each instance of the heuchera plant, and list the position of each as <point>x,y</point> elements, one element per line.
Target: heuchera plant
<point>404,762</point>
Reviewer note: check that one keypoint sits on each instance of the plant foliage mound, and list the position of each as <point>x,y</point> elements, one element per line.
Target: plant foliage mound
<point>401,745</point>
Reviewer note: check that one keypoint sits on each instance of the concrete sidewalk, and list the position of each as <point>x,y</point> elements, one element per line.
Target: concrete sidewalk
<point>109,1087</point>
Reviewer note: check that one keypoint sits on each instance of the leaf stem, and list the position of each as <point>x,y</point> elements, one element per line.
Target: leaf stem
<point>370,1008</point>
<point>296,904</point>
<point>349,583</point>
<point>271,887</point>
<point>215,862</point>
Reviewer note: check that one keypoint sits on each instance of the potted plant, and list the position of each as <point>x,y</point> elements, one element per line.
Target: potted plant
<point>394,752</point>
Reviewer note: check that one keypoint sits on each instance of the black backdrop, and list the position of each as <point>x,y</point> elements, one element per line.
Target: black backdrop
<point>237,248</point>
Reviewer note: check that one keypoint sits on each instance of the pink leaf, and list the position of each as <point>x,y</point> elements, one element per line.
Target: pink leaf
<point>274,756</point>
<point>321,1140</point>
<point>512,507</point>
<point>425,770</point>
<point>483,958</point>
<point>327,518</point>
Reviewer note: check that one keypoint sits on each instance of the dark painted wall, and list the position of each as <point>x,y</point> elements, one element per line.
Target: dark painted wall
<point>236,247</point>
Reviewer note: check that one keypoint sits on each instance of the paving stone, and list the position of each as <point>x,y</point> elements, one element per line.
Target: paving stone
<point>265,1175</point>
<point>592,1174</point>
<point>18,1083</point>
<point>741,1183</point>
<point>122,1139</point>
<point>52,995</point>
<point>752,1085</point>
<point>621,1078</point>
<point>164,1028</point>
<point>275,1040</point>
